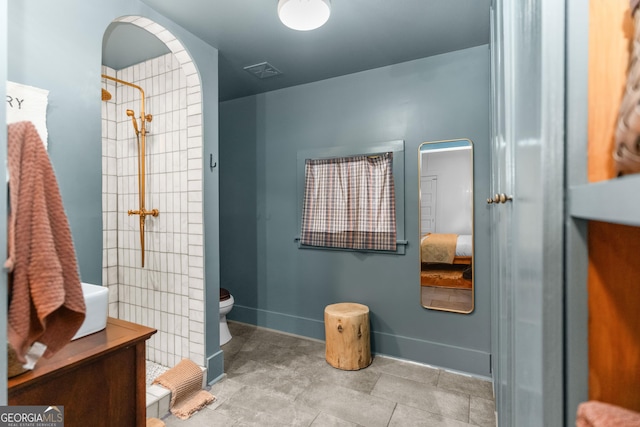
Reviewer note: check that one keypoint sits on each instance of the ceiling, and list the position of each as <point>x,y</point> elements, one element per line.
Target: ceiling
<point>360,35</point>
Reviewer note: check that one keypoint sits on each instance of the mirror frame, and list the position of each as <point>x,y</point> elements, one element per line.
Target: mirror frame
<point>420,170</point>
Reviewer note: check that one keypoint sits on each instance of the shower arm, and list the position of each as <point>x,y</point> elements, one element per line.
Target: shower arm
<point>141,136</point>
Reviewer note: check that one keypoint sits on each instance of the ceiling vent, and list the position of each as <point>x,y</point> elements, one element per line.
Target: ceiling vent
<point>263,70</point>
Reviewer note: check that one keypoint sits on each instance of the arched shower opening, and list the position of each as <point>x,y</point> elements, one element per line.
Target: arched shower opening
<point>168,293</point>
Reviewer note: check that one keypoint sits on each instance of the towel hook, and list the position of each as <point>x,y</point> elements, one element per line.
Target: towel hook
<point>211,163</point>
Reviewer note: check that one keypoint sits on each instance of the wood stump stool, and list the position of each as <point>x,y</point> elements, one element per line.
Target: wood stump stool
<point>346,327</point>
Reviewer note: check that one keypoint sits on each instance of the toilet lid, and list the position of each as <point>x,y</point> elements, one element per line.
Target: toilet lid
<point>224,294</point>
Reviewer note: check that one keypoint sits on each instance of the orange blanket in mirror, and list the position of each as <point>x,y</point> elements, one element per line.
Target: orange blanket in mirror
<point>437,247</point>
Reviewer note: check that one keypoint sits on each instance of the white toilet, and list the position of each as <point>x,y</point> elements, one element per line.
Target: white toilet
<point>226,304</point>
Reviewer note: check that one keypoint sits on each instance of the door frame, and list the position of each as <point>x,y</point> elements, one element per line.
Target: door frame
<point>528,336</point>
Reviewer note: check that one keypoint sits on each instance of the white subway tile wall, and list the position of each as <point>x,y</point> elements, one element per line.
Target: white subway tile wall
<point>168,293</point>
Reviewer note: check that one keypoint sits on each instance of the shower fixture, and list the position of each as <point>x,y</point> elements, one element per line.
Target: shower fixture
<point>140,137</point>
<point>106,96</point>
<point>131,114</point>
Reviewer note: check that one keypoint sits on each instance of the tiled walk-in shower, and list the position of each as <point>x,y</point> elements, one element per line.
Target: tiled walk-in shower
<point>168,293</point>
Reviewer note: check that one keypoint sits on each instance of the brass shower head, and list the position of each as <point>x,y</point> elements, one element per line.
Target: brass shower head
<point>131,114</point>
<point>106,96</point>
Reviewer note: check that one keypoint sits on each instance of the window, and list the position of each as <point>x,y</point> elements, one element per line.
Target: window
<point>351,202</point>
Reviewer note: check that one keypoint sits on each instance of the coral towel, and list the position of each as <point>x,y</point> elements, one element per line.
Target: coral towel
<point>46,302</point>
<point>600,414</point>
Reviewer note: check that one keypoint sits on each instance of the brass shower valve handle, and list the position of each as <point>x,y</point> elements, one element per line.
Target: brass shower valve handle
<point>144,212</point>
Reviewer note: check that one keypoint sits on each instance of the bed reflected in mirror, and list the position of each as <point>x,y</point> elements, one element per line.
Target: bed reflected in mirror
<point>446,225</point>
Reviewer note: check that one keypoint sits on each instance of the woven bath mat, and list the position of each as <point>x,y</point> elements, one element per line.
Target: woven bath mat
<point>185,383</point>
<point>155,422</point>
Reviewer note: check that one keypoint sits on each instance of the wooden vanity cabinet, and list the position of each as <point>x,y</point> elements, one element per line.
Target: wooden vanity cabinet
<point>99,379</point>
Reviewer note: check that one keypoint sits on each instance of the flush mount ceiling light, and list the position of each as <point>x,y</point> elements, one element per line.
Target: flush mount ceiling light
<point>304,15</point>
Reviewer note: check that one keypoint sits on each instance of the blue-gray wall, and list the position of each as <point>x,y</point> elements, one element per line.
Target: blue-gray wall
<point>279,286</point>
<point>57,45</point>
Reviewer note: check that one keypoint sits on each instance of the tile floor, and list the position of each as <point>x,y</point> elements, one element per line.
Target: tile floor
<point>274,379</point>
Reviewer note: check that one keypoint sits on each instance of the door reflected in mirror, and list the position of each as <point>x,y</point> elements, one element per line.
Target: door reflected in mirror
<point>446,225</point>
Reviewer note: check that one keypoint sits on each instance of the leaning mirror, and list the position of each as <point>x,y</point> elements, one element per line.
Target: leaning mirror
<point>446,225</point>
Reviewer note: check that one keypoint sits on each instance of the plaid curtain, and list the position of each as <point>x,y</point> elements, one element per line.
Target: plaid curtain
<point>349,202</point>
